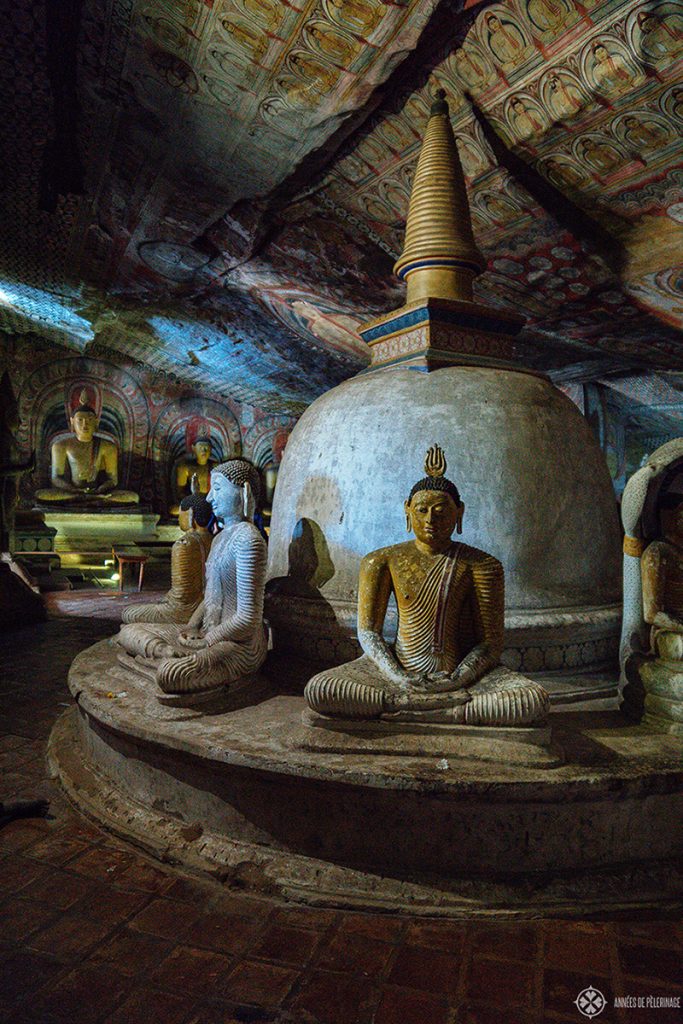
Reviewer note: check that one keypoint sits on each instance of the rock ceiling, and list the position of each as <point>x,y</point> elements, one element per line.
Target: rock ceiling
<point>218,187</point>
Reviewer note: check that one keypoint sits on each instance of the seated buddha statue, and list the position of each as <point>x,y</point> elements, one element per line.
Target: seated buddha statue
<point>445,665</point>
<point>85,465</point>
<point>188,565</point>
<point>199,465</point>
<point>224,641</point>
<point>661,672</point>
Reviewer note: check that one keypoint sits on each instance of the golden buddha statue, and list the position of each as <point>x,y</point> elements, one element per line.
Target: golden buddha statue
<point>445,665</point>
<point>85,464</point>
<point>188,565</point>
<point>224,643</point>
<point>662,574</point>
<point>199,466</point>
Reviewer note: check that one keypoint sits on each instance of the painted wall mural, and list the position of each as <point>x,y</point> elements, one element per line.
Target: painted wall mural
<point>150,416</point>
<point>631,416</point>
<point>219,193</point>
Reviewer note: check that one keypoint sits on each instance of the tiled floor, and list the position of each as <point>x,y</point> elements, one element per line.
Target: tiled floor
<point>90,931</point>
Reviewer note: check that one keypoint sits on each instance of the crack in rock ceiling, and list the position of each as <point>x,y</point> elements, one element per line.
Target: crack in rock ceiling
<point>219,187</point>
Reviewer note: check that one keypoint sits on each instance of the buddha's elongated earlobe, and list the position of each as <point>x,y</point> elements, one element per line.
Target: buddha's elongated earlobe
<point>409,525</point>
<point>248,502</point>
<point>458,522</point>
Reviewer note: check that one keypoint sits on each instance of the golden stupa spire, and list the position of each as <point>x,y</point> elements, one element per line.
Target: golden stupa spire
<point>440,258</point>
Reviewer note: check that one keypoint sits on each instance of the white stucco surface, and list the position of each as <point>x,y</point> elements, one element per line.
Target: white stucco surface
<point>535,484</point>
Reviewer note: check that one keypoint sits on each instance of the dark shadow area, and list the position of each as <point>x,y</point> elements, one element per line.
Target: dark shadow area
<point>568,215</point>
<point>310,565</point>
<point>291,664</point>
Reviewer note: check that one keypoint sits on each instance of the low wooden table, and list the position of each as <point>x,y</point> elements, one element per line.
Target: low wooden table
<point>124,558</point>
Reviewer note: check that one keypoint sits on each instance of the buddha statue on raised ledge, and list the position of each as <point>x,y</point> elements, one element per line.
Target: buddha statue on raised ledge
<point>199,465</point>
<point>188,565</point>
<point>445,665</point>
<point>662,572</point>
<point>224,643</point>
<point>85,465</point>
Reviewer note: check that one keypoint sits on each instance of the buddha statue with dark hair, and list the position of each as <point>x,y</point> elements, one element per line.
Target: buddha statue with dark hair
<point>188,565</point>
<point>445,665</point>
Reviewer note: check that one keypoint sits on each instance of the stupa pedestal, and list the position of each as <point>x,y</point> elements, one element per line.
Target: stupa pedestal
<point>242,797</point>
<point>429,334</point>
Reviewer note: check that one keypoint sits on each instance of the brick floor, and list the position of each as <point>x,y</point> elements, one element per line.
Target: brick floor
<point>91,932</point>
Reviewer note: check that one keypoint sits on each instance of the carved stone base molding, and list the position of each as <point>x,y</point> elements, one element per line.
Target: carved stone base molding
<point>236,796</point>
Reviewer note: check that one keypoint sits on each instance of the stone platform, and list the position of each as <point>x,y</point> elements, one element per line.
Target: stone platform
<point>99,530</point>
<point>532,747</point>
<point>237,792</point>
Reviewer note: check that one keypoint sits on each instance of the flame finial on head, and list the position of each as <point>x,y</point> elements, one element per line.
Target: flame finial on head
<point>435,462</point>
<point>435,479</point>
<point>84,404</point>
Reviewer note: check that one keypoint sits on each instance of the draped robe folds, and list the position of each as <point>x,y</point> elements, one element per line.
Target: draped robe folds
<point>85,466</point>
<point>453,624</point>
<point>188,565</point>
<point>230,619</point>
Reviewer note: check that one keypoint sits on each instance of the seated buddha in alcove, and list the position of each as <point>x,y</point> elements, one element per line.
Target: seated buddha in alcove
<point>85,465</point>
<point>199,464</point>
<point>662,573</point>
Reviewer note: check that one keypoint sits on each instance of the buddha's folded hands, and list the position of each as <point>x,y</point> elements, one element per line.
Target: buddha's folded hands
<point>192,640</point>
<point>396,701</point>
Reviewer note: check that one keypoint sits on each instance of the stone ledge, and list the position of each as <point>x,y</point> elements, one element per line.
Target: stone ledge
<point>532,747</point>
<point>217,791</point>
<point>273,872</point>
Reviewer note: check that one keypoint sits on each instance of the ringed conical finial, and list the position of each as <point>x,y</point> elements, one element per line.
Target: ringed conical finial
<point>440,257</point>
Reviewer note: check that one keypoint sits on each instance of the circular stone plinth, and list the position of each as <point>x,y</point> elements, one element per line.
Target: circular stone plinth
<point>236,794</point>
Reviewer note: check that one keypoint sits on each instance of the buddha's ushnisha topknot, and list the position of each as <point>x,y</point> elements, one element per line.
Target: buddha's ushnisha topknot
<point>435,461</point>
<point>84,405</point>
<point>435,468</point>
<point>239,472</point>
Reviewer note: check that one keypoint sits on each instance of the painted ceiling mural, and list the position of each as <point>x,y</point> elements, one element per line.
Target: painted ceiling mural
<point>218,188</point>
<point>588,96</point>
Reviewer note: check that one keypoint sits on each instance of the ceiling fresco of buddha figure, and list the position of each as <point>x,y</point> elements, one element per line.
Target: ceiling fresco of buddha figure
<point>244,166</point>
<point>563,94</point>
<point>548,17</point>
